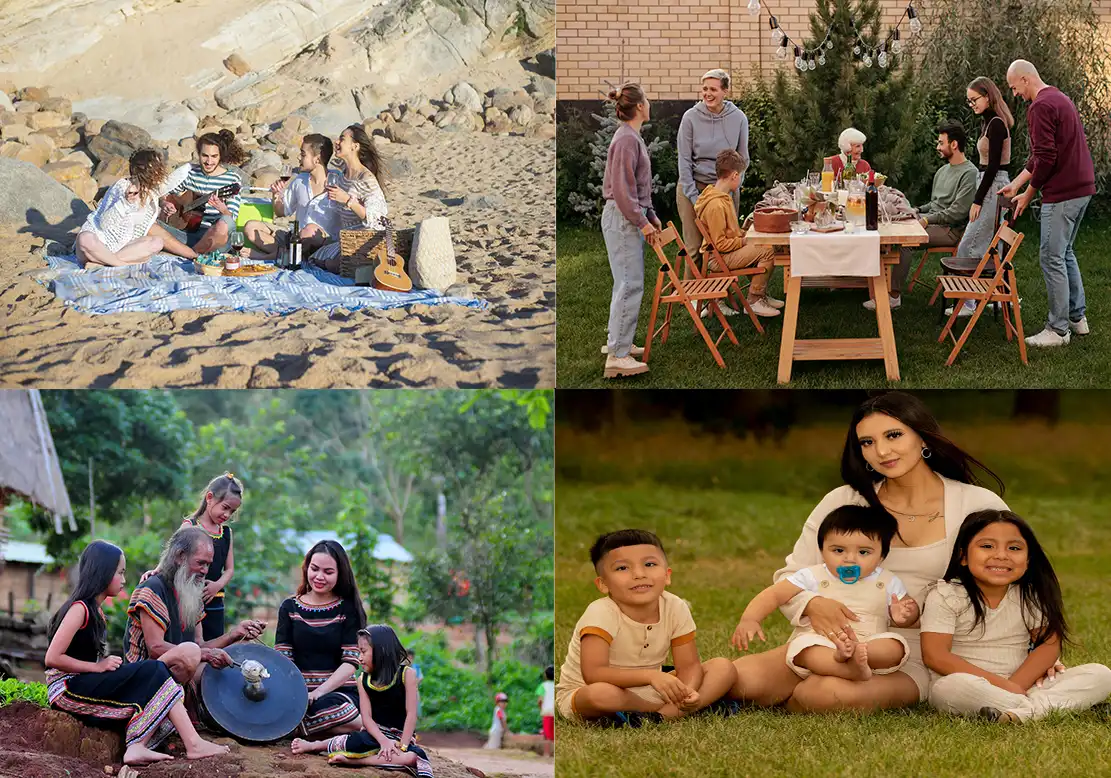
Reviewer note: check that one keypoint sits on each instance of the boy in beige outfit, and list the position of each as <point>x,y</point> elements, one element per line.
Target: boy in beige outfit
<point>716,210</point>
<point>853,540</point>
<point>615,658</point>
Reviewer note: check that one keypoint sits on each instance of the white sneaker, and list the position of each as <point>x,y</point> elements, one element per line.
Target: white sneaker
<point>1047,338</point>
<point>761,307</point>
<point>617,367</point>
<point>774,303</point>
<point>895,302</point>
<point>966,310</point>
<point>1080,327</point>
<point>635,351</point>
<point>725,311</point>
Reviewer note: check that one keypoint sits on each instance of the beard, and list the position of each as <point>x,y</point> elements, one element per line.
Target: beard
<point>190,596</point>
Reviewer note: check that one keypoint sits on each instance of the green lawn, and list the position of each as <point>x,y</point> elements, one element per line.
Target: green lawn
<point>730,513</point>
<point>987,359</point>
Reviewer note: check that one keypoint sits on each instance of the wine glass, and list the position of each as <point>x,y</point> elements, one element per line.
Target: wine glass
<point>237,243</point>
<point>287,172</point>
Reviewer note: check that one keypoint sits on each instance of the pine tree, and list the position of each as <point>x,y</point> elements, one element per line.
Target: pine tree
<point>812,107</point>
<point>590,205</point>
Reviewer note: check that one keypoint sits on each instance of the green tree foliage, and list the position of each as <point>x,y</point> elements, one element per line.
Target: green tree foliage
<point>1062,38</point>
<point>811,108</point>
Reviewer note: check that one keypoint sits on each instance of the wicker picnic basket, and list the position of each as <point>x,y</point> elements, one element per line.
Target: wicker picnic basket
<point>361,248</point>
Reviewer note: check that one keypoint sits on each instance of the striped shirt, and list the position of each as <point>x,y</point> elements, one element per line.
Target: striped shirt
<point>198,181</point>
<point>369,195</point>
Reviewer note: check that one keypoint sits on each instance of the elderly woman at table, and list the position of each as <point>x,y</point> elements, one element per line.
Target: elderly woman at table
<point>708,128</point>
<point>851,143</point>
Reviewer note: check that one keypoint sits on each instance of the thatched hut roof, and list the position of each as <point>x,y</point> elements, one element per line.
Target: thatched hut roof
<point>29,464</point>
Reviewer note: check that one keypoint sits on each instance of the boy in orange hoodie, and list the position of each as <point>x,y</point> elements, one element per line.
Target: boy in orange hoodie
<point>715,209</point>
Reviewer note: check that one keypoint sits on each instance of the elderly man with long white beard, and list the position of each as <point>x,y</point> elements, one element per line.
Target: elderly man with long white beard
<point>166,608</point>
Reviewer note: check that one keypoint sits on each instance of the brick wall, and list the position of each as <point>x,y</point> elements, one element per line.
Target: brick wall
<point>667,45</point>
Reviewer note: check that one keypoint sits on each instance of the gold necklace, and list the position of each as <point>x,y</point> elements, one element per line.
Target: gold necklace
<point>914,516</point>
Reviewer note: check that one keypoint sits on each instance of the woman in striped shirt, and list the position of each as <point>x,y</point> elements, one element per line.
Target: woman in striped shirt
<point>317,630</point>
<point>119,231</point>
<point>359,194</point>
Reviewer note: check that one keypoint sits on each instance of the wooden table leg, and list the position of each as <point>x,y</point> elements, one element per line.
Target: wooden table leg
<point>887,331</point>
<point>792,286</point>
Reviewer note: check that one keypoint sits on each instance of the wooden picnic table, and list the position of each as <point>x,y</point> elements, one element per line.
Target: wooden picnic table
<point>893,237</point>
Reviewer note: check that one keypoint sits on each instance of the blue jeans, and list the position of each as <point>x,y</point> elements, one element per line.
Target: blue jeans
<point>625,246</point>
<point>1063,286</point>
<point>191,239</point>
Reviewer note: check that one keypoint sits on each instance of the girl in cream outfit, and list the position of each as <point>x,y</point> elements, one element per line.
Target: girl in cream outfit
<point>998,598</point>
<point>895,458</point>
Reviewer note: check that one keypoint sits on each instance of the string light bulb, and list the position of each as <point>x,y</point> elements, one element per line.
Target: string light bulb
<point>867,60</point>
<point>915,22</point>
<point>799,62</point>
<point>881,60</point>
<point>896,44</point>
<point>821,59</point>
<point>781,52</point>
<point>753,7</point>
<point>856,49</point>
<point>810,63</point>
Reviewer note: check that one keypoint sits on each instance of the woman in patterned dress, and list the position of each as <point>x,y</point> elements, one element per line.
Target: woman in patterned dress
<point>317,630</point>
<point>103,690</point>
<point>359,194</point>
<point>117,232</point>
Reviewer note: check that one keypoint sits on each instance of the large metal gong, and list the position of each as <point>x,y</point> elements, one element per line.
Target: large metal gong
<point>255,713</point>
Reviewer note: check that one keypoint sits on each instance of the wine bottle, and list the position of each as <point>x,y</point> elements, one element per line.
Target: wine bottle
<point>295,246</point>
<point>871,203</point>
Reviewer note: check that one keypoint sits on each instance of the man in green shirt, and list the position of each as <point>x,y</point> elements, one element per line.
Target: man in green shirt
<point>946,215</point>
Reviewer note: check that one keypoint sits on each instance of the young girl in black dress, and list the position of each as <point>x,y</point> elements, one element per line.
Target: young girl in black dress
<point>388,699</point>
<point>219,502</point>
<point>102,690</point>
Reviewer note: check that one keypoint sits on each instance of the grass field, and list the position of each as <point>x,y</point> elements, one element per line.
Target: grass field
<point>728,515</point>
<point>987,359</point>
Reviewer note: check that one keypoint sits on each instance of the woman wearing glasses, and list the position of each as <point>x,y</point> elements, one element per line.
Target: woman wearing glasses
<point>994,150</point>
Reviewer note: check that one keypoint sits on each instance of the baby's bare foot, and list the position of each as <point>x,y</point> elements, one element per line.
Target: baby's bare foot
<point>859,666</point>
<point>843,647</point>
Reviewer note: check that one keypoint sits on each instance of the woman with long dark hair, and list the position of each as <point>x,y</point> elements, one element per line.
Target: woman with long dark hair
<point>318,629</point>
<point>996,624</point>
<point>141,697</point>
<point>897,459</point>
<point>360,194</point>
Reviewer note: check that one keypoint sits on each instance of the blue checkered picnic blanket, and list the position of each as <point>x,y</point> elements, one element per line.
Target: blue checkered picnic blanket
<point>168,283</point>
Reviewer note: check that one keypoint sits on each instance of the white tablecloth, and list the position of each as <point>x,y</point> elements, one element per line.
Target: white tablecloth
<point>835,254</point>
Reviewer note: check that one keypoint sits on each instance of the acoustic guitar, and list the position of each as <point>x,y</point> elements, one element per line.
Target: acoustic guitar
<point>390,273</point>
<point>190,206</point>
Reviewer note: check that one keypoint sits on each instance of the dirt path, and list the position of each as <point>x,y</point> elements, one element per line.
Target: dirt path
<point>506,762</point>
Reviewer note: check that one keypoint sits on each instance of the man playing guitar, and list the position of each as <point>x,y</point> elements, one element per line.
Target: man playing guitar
<point>217,224</point>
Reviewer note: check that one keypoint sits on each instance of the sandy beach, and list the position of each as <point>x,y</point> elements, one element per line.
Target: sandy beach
<point>505,250</point>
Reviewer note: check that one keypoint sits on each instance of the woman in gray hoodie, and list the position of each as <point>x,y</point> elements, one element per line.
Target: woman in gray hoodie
<point>711,126</point>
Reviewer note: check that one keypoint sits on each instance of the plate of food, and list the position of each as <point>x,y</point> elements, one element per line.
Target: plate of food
<point>248,271</point>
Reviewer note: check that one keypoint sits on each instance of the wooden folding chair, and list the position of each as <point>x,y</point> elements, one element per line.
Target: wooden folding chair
<point>1000,287</point>
<point>690,293</point>
<point>711,254</point>
<point>945,251</point>
<point>952,265</point>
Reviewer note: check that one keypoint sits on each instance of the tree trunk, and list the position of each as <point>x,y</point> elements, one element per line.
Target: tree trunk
<point>491,646</point>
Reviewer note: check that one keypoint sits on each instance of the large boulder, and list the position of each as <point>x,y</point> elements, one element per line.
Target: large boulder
<point>406,134</point>
<point>36,155</point>
<point>261,159</point>
<point>27,106</point>
<point>332,113</point>
<point>546,62</point>
<point>16,132</point>
<point>10,149</point>
<point>118,139</point>
<point>505,99</point>
<point>36,93</point>
<point>465,95</point>
<point>497,122</point>
<point>458,119</point>
<point>28,195</point>
<point>63,137</point>
<point>44,119</point>
<point>521,115</point>
<point>6,102</point>
<point>75,177</point>
<point>58,105</point>
<point>273,96</point>
<point>291,131</point>
<point>334,59</point>
<point>110,170</point>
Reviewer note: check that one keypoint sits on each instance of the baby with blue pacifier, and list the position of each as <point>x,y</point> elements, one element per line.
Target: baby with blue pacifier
<point>853,540</point>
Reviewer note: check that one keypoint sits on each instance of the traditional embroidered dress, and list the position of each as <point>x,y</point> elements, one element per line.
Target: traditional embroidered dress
<point>213,625</point>
<point>138,695</point>
<point>387,706</point>
<point>318,639</point>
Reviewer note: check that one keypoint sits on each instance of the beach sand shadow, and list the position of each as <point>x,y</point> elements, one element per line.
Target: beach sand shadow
<point>58,236</point>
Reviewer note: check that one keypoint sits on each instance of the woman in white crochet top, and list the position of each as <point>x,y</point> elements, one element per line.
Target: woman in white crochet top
<point>116,233</point>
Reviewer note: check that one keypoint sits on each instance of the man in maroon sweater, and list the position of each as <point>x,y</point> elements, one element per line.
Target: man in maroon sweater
<point>1060,166</point>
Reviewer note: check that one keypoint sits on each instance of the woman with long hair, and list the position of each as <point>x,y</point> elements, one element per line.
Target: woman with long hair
<point>360,194</point>
<point>627,219</point>
<point>994,151</point>
<point>317,630</point>
<point>142,698</point>
<point>118,232</point>
<point>896,459</point>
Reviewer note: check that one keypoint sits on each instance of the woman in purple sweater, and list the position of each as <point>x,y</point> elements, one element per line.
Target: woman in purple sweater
<point>627,220</point>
